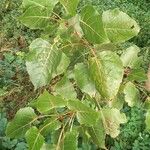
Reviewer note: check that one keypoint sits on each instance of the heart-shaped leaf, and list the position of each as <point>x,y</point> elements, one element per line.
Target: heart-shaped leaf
<point>21,123</point>
<point>119,26</point>
<point>42,62</point>
<point>92,25</point>
<point>106,71</point>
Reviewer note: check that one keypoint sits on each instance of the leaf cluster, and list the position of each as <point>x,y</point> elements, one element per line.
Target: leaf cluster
<point>85,81</point>
<point>136,9</point>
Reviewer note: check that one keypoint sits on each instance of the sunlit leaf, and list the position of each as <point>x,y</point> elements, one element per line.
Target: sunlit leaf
<point>34,139</point>
<point>119,26</point>
<point>62,67</point>
<point>37,13</point>
<point>42,61</point>
<point>130,56</point>
<point>131,94</point>
<point>48,147</point>
<point>106,71</point>
<point>70,6</point>
<point>112,120</point>
<point>47,4</point>
<point>21,123</point>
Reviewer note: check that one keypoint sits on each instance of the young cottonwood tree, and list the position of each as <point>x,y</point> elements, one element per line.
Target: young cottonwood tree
<point>80,64</point>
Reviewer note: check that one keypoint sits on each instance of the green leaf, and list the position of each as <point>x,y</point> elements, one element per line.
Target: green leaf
<point>97,75</point>
<point>34,139</point>
<point>147,120</point>
<point>62,67</point>
<point>72,45</point>
<point>119,26</point>
<point>74,22</point>
<point>46,102</point>
<point>48,147</point>
<point>37,13</point>
<point>47,4</point>
<point>49,125</point>
<point>105,47</point>
<point>92,25</point>
<point>71,140</point>
<point>85,115</point>
<point>83,79</point>
<point>113,71</point>
<point>42,62</point>
<point>137,75</point>
<point>98,134</point>
<point>147,103</point>
<point>130,56</point>
<point>118,102</point>
<point>35,18</point>
<point>106,71</point>
<point>65,89</point>
<point>84,134</point>
<point>112,120</point>
<point>21,123</point>
<point>70,6</point>
<point>131,94</point>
